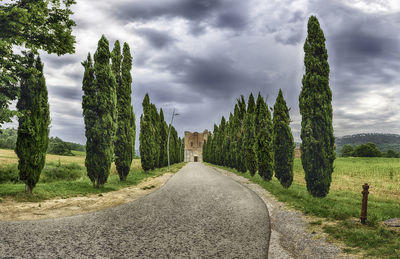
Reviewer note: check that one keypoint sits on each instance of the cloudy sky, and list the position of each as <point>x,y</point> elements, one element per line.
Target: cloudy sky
<point>198,56</point>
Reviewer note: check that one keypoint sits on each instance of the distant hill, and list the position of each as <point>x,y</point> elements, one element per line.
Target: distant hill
<point>383,141</point>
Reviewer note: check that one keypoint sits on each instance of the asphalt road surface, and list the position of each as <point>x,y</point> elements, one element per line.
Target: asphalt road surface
<point>198,213</point>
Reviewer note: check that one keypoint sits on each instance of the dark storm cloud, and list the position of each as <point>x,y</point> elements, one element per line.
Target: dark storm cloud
<point>158,39</point>
<point>216,76</point>
<point>201,13</point>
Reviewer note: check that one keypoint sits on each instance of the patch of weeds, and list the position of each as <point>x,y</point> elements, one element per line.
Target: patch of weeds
<point>317,222</point>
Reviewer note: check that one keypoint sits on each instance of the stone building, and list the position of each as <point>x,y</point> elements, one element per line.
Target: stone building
<point>194,145</point>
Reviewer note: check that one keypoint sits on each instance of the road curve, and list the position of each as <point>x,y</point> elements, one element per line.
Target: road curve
<point>198,213</point>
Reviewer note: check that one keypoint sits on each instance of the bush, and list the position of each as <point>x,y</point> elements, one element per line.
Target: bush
<point>61,172</point>
<point>59,147</point>
<point>392,154</point>
<point>347,150</point>
<point>9,173</point>
<point>367,150</point>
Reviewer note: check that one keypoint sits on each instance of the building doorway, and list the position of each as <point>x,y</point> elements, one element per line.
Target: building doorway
<point>196,158</point>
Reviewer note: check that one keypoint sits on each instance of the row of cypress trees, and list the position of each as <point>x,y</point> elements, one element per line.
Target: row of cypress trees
<point>251,141</point>
<point>153,138</point>
<point>240,145</point>
<point>108,113</point>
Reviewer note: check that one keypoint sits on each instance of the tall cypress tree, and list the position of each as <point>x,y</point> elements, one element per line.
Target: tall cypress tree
<point>241,151</point>
<point>317,148</point>
<point>264,139</point>
<point>133,131</point>
<point>250,137</point>
<point>146,136</point>
<point>34,121</point>
<point>124,138</point>
<point>283,142</point>
<point>155,121</point>
<point>163,133</point>
<point>99,105</point>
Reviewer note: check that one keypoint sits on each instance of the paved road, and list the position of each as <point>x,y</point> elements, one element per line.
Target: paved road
<point>198,213</point>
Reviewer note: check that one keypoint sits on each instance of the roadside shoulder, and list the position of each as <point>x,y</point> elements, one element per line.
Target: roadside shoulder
<point>290,235</point>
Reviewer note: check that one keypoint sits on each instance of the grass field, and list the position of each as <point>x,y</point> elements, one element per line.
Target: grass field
<point>81,186</point>
<point>338,213</point>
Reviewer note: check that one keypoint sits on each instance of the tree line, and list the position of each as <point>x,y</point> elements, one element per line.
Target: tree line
<point>252,141</point>
<point>367,150</point>
<point>57,146</point>
<point>249,141</point>
<point>153,138</point>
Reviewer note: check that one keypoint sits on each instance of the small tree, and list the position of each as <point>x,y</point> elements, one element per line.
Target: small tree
<point>264,139</point>
<point>347,150</point>
<point>250,138</point>
<point>99,105</point>
<point>283,143</point>
<point>315,100</point>
<point>34,121</point>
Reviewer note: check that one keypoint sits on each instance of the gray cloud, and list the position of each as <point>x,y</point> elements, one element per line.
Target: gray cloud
<point>158,39</point>
<point>201,13</point>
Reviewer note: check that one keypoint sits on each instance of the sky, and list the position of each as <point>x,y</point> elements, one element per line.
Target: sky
<point>199,56</point>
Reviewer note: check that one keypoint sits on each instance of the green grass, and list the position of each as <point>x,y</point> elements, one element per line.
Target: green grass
<point>343,203</point>
<point>80,187</point>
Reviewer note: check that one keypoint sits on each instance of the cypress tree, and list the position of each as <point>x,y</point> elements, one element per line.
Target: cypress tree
<point>34,121</point>
<point>124,137</point>
<point>146,136</point>
<point>100,116</point>
<point>264,139</point>
<point>241,154</point>
<point>155,120</point>
<point>283,142</point>
<point>133,131</point>
<point>163,132</point>
<point>205,153</point>
<point>250,137</point>
<point>220,142</point>
<point>235,137</point>
<point>317,148</point>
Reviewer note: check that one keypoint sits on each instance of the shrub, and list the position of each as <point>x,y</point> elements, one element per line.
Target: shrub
<point>9,173</point>
<point>347,150</point>
<point>61,172</point>
<point>367,150</point>
<point>59,147</point>
<point>392,154</point>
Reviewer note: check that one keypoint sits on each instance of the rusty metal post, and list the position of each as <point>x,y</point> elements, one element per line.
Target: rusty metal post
<point>364,205</point>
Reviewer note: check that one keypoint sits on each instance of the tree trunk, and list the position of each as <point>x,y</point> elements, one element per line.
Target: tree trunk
<point>28,189</point>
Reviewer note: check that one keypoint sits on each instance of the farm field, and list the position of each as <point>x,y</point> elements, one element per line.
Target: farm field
<point>72,168</point>
<point>338,213</point>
